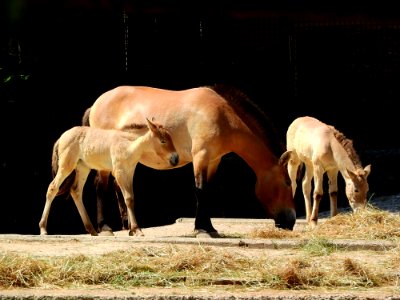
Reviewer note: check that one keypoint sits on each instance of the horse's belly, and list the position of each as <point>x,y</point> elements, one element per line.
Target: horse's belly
<point>100,165</point>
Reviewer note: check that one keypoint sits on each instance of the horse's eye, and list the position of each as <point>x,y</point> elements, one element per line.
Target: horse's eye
<point>163,141</point>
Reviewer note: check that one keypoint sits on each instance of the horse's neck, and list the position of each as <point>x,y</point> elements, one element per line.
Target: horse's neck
<point>140,142</point>
<point>255,153</point>
<point>342,158</point>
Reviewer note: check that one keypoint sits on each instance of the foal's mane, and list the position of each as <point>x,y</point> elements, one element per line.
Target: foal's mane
<point>252,115</point>
<point>347,145</point>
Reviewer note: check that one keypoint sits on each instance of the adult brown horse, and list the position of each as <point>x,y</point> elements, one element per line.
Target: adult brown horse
<point>206,123</point>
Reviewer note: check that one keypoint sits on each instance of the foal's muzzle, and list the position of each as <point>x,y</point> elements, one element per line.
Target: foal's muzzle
<point>357,206</point>
<point>174,159</point>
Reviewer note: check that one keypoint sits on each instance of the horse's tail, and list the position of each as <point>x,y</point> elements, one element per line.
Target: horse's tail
<point>54,159</point>
<point>69,181</point>
<point>66,185</point>
<point>85,118</point>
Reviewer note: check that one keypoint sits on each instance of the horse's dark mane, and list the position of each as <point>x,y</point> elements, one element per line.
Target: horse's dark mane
<point>133,126</point>
<point>252,115</point>
<point>348,147</point>
<point>85,122</point>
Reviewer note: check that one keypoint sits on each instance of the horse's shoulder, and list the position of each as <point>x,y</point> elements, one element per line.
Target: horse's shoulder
<point>310,125</point>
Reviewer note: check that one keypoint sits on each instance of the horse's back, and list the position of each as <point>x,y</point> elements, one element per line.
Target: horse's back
<point>71,137</point>
<point>125,104</point>
<point>196,116</point>
<point>309,137</point>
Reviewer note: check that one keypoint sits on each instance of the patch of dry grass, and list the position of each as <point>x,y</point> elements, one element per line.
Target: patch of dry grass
<point>197,266</point>
<point>317,264</point>
<point>368,224</point>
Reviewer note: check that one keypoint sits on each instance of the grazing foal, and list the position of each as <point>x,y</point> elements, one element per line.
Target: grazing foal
<point>322,149</point>
<point>83,148</point>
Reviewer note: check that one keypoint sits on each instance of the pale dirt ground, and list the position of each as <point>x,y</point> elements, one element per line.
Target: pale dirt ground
<point>179,233</point>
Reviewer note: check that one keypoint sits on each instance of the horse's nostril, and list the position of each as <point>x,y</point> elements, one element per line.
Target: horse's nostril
<point>174,160</point>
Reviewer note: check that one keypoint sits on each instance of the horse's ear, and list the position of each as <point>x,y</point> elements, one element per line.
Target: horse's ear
<point>283,160</point>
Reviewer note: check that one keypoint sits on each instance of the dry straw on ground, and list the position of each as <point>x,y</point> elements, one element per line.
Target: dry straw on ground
<point>314,265</point>
<point>369,224</point>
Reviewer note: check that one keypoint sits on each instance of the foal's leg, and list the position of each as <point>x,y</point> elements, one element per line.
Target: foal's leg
<point>82,173</point>
<point>333,190</point>
<point>318,192</point>
<point>293,167</point>
<point>52,191</point>
<point>125,182</point>
<point>306,186</point>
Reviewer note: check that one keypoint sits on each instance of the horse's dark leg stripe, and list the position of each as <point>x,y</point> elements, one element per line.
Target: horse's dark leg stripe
<point>203,218</point>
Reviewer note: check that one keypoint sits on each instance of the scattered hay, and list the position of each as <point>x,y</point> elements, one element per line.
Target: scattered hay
<point>367,224</point>
<point>272,232</point>
<point>370,223</point>
<point>318,264</point>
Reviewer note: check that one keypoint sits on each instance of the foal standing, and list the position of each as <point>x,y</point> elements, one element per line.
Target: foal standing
<point>84,148</point>
<point>322,149</point>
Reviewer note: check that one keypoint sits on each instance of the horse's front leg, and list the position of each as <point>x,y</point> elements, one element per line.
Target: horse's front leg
<point>124,180</point>
<point>203,173</point>
<point>318,193</point>
<point>333,191</point>
<point>82,172</point>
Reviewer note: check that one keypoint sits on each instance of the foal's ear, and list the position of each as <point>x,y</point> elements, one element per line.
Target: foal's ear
<point>353,176</point>
<point>367,170</point>
<point>151,125</point>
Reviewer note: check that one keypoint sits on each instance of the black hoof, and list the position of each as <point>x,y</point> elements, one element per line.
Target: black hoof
<point>201,233</point>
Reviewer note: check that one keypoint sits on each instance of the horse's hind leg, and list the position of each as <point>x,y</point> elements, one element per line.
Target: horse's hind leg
<point>101,183</point>
<point>306,186</point>
<point>52,191</point>
<point>82,172</point>
<point>293,166</point>
<point>122,206</point>
<point>333,191</point>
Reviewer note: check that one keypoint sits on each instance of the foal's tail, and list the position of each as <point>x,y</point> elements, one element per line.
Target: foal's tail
<point>66,185</point>
<point>85,118</point>
<point>284,160</point>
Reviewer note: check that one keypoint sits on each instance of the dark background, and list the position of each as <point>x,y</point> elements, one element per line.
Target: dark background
<point>336,60</point>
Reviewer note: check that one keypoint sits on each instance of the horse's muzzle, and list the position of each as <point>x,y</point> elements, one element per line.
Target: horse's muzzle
<point>174,159</point>
<point>286,219</point>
